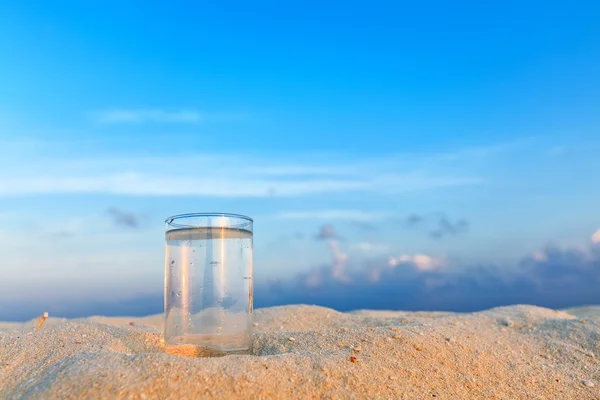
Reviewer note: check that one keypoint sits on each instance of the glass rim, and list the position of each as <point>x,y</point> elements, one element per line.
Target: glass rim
<point>170,219</point>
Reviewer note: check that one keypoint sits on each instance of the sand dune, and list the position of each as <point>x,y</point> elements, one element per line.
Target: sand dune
<point>519,352</point>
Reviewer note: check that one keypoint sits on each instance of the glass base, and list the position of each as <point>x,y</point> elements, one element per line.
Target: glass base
<point>208,345</point>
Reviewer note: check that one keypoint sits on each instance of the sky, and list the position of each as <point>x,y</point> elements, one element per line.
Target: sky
<point>393,155</point>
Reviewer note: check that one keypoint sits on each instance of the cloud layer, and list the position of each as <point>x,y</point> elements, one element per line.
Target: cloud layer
<point>236,176</point>
<point>553,277</point>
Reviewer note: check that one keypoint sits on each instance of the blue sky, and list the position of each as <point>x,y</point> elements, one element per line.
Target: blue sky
<point>438,137</point>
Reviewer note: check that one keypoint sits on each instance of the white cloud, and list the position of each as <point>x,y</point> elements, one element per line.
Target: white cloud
<point>160,185</point>
<point>209,176</point>
<point>72,169</point>
<point>339,261</point>
<point>596,237</point>
<point>337,269</point>
<point>136,184</point>
<point>423,262</point>
<point>539,255</point>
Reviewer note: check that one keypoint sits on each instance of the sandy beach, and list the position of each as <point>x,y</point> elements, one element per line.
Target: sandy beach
<point>517,352</point>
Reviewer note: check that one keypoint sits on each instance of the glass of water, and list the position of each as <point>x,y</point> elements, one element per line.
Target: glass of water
<point>208,284</point>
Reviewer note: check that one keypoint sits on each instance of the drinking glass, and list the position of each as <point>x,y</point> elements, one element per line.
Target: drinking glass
<point>208,284</point>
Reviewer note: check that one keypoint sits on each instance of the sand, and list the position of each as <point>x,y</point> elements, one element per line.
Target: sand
<point>518,352</point>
